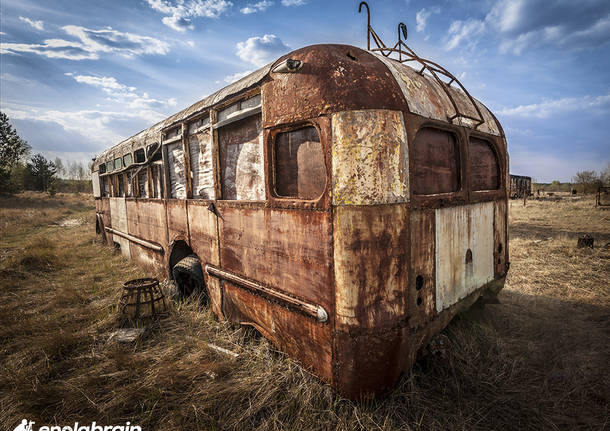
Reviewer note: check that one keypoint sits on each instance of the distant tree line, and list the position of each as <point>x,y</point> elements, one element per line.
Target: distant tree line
<point>19,171</point>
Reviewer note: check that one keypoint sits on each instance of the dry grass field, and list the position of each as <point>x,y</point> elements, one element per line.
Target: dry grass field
<point>538,360</point>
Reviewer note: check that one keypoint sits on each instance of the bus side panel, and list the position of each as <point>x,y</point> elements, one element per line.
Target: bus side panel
<point>297,335</point>
<point>176,220</point>
<point>500,238</point>
<point>371,273</point>
<point>421,295</point>
<point>289,250</point>
<point>146,219</point>
<point>204,242</point>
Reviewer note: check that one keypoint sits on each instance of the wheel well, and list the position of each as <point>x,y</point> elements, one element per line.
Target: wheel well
<point>180,250</point>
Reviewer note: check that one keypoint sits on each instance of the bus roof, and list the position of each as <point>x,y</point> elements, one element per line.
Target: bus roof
<point>424,95</point>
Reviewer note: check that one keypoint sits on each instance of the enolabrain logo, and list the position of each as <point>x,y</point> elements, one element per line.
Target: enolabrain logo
<point>26,425</point>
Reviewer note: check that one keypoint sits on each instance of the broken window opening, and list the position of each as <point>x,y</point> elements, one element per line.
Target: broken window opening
<point>300,171</point>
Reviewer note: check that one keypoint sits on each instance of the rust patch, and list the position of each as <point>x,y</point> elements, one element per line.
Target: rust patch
<point>370,252</point>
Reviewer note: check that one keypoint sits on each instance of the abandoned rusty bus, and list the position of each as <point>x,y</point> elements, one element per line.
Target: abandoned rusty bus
<point>519,186</point>
<point>344,204</point>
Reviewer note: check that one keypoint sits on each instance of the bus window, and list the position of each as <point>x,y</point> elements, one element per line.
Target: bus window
<point>175,162</point>
<point>157,180</point>
<point>127,160</point>
<point>435,162</point>
<point>109,166</point>
<point>299,164</point>
<point>105,186</point>
<point>140,156</point>
<point>142,183</point>
<point>241,159</point>
<point>121,185</point>
<point>484,171</point>
<point>118,164</point>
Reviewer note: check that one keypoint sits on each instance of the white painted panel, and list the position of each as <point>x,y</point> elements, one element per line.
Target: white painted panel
<point>95,182</point>
<point>118,218</point>
<point>459,229</point>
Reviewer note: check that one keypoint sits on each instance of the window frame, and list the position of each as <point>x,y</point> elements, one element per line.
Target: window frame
<point>458,134</point>
<point>497,158</point>
<point>273,161</point>
<point>497,145</point>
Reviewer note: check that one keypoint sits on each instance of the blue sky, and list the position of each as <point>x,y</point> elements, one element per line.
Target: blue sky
<point>78,76</point>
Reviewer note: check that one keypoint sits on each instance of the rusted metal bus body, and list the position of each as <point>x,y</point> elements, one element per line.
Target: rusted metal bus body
<point>520,186</point>
<point>333,207</point>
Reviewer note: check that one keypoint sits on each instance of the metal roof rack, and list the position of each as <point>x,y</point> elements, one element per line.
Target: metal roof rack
<point>406,54</point>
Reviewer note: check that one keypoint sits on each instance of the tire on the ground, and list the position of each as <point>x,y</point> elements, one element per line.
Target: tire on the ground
<point>188,275</point>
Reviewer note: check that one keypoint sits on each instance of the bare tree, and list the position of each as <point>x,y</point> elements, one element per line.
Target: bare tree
<point>586,181</point>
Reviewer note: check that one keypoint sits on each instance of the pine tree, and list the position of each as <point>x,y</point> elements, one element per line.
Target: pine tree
<point>12,150</point>
<point>42,172</point>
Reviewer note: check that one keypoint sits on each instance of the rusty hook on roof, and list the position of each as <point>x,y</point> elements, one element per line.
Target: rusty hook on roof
<point>368,23</point>
<point>401,26</point>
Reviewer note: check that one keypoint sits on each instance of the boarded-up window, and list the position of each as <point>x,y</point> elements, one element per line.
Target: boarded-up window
<point>121,185</point>
<point>241,159</point>
<point>484,170</point>
<point>105,186</point>
<point>200,149</point>
<point>130,180</point>
<point>143,183</point>
<point>157,180</point>
<point>299,164</point>
<point>175,160</point>
<point>435,162</point>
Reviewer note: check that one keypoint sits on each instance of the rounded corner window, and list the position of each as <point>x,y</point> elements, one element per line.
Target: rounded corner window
<point>484,167</point>
<point>435,162</point>
<point>300,171</point>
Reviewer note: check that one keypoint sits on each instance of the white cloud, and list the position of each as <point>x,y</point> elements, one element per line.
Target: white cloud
<point>236,76</point>
<point>38,25</point>
<point>464,32</point>
<point>261,50</point>
<point>553,107</point>
<point>90,44</point>
<point>523,24</point>
<point>94,125</point>
<point>260,6</point>
<point>293,2</point>
<point>179,13</point>
<point>421,18</point>
<point>121,93</point>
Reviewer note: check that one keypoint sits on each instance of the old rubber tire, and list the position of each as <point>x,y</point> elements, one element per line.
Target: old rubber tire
<point>188,276</point>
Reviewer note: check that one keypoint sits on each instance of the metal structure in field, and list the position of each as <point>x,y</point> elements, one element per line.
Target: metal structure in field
<point>519,186</point>
<point>602,199</point>
<point>342,202</point>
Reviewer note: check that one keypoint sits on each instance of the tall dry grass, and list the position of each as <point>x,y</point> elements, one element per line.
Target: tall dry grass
<point>536,361</point>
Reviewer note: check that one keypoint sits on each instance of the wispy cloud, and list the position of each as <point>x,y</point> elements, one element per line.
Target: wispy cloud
<point>464,33</point>
<point>89,44</point>
<point>121,93</point>
<point>260,6</point>
<point>557,106</point>
<point>93,125</point>
<point>261,50</point>
<point>38,25</point>
<point>293,2</point>
<point>524,24</point>
<point>421,18</point>
<point>236,76</point>
<point>180,13</point>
